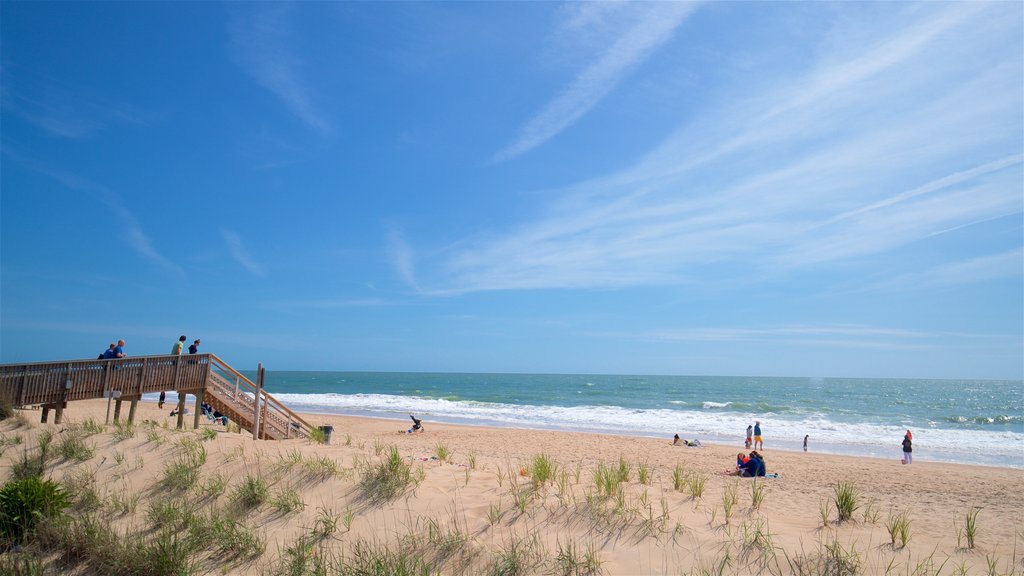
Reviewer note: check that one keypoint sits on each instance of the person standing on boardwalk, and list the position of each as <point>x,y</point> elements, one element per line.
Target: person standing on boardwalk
<point>176,350</point>
<point>908,448</point>
<point>194,348</point>
<point>119,351</point>
<point>758,442</point>
<point>749,440</point>
<point>109,352</point>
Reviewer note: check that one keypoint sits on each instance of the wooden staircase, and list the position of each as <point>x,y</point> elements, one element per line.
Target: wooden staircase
<point>53,384</point>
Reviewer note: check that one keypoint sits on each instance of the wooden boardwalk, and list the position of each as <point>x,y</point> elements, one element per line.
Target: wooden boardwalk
<point>53,385</point>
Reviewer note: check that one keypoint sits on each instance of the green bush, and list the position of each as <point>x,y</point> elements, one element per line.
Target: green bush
<point>23,502</point>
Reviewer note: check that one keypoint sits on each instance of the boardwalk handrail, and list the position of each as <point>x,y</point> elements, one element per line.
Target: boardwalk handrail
<point>249,389</point>
<point>57,383</point>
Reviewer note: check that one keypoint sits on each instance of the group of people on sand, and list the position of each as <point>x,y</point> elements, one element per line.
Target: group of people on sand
<point>677,441</point>
<point>749,466</point>
<point>754,436</point>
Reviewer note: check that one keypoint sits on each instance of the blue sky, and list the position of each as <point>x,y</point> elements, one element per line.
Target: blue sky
<point>669,188</point>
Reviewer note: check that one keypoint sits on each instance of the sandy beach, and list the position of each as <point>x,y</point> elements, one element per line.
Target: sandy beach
<point>501,500</point>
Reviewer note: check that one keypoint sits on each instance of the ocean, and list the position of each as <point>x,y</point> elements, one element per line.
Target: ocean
<point>965,421</point>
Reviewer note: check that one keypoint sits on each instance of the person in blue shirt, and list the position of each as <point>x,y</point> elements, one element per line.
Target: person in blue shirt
<point>109,352</point>
<point>758,442</point>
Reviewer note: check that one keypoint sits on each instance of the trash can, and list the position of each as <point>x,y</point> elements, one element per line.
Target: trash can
<point>327,433</point>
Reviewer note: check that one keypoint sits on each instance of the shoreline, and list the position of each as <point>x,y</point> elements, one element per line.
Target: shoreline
<point>817,447</point>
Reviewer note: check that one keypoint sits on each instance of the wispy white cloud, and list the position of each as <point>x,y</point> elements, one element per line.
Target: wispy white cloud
<point>240,254</point>
<point>260,42</point>
<point>870,149</point>
<point>401,256</point>
<point>1009,264</point>
<point>329,304</point>
<point>58,110</point>
<point>631,46</point>
<point>836,336</point>
<point>132,231</point>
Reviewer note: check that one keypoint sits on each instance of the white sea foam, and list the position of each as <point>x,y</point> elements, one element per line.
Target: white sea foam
<point>721,425</point>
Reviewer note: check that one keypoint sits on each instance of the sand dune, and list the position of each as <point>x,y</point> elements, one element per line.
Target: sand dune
<point>478,510</point>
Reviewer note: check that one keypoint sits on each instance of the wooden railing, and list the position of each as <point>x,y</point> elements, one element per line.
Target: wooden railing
<point>231,386</point>
<point>206,375</point>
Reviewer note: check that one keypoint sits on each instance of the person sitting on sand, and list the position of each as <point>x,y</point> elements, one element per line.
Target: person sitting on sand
<point>417,425</point>
<point>741,461</point>
<point>675,440</point>
<point>692,443</point>
<point>755,466</point>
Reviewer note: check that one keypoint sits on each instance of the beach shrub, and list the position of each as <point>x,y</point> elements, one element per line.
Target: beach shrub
<point>251,493</point>
<point>542,469</point>
<point>757,492</point>
<point>390,477</point>
<point>287,501</point>
<point>72,446</point>
<point>182,473</point>
<point>442,452</point>
<point>21,564</point>
<point>729,500</point>
<point>970,528</point>
<point>696,484</point>
<point>846,495</point>
<point>91,426</point>
<point>898,527</point>
<point>33,464</point>
<point>24,502</point>
<point>228,537</point>
<point>370,559</point>
<point>570,560</point>
<point>643,473</point>
<point>124,430</point>
<point>318,435</point>
<point>678,478</point>
<point>518,556</point>
<point>327,522</point>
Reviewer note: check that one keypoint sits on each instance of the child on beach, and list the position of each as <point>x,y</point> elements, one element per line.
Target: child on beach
<point>908,448</point>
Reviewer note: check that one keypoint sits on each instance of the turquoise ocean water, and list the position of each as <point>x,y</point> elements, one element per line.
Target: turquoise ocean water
<point>967,421</point>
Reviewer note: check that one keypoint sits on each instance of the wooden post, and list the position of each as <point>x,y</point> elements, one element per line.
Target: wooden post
<point>181,409</point>
<point>199,409</point>
<point>60,413</point>
<point>131,409</point>
<point>256,403</point>
<point>45,415</point>
<point>117,409</point>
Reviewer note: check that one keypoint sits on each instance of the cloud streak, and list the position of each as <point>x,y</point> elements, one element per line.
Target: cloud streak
<point>635,44</point>
<point>851,158</point>
<point>237,250</point>
<point>260,41</point>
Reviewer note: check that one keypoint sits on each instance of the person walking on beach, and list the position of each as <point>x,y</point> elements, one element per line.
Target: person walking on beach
<point>194,348</point>
<point>758,442</point>
<point>908,448</point>
<point>805,441</point>
<point>749,441</point>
